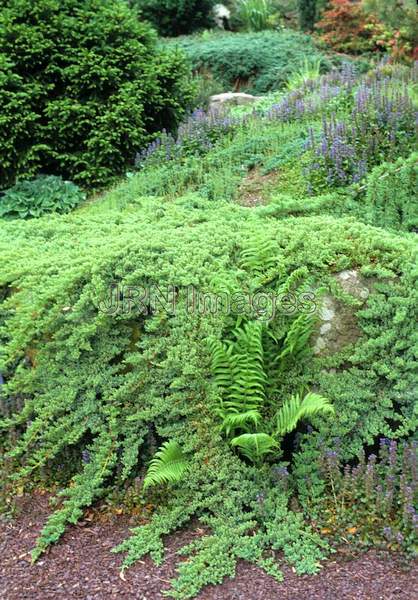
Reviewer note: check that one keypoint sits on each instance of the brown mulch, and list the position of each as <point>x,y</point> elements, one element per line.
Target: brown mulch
<point>255,188</point>
<point>81,566</point>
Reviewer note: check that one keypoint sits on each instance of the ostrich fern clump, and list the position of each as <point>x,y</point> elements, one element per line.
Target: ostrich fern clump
<point>240,374</point>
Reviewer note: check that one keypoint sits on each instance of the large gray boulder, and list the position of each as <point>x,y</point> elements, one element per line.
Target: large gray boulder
<point>220,102</point>
<point>338,323</point>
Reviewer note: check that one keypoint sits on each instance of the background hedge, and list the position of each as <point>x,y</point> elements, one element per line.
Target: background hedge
<point>176,17</point>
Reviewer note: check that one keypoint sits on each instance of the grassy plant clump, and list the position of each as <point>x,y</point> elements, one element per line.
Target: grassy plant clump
<point>255,15</point>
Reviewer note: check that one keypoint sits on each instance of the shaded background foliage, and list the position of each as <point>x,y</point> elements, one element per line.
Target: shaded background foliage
<point>176,17</point>
<point>273,57</point>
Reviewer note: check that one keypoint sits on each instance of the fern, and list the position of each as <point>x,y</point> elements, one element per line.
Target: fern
<point>261,258</point>
<point>254,445</point>
<point>221,363</point>
<point>167,466</point>
<point>239,372</point>
<point>247,389</point>
<point>295,344</point>
<point>293,281</point>
<point>297,408</point>
<point>259,255</point>
<point>239,420</point>
<point>240,366</point>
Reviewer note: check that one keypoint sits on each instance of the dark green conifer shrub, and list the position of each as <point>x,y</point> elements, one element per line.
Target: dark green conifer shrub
<point>82,87</point>
<point>307,14</point>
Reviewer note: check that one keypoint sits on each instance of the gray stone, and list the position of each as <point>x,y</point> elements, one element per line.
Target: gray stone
<point>338,321</point>
<point>220,102</point>
<point>327,311</point>
<point>352,283</point>
<point>325,328</point>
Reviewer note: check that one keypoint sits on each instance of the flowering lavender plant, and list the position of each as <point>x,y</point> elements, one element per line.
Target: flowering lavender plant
<point>382,126</point>
<point>202,129</point>
<point>376,498</point>
<point>194,137</point>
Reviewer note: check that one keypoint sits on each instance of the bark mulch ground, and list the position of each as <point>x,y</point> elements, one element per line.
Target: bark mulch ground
<point>256,188</point>
<point>81,566</point>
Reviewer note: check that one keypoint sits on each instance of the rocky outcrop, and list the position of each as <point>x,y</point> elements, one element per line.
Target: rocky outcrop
<point>338,322</point>
<point>224,101</point>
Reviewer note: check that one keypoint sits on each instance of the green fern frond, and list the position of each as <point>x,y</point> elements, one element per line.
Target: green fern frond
<point>293,281</point>
<point>242,420</point>
<point>167,466</point>
<point>221,363</point>
<point>297,408</point>
<point>259,255</point>
<point>248,376</point>
<point>238,369</point>
<point>296,341</point>
<point>261,258</point>
<point>254,445</point>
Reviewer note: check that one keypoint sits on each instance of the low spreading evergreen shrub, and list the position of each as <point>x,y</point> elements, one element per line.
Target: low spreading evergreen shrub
<point>82,88</point>
<point>273,58</point>
<point>109,374</point>
<point>390,199</point>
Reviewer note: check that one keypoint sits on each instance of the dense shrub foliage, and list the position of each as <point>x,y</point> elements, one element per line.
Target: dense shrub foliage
<point>101,383</point>
<point>46,194</point>
<point>273,57</point>
<point>391,190</point>
<point>387,26</point>
<point>307,14</point>
<point>82,87</point>
<point>167,349</point>
<point>176,17</point>
<point>345,27</point>
<point>399,33</point>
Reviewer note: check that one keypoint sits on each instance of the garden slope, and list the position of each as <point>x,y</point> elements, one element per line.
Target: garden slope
<point>107,382</point>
